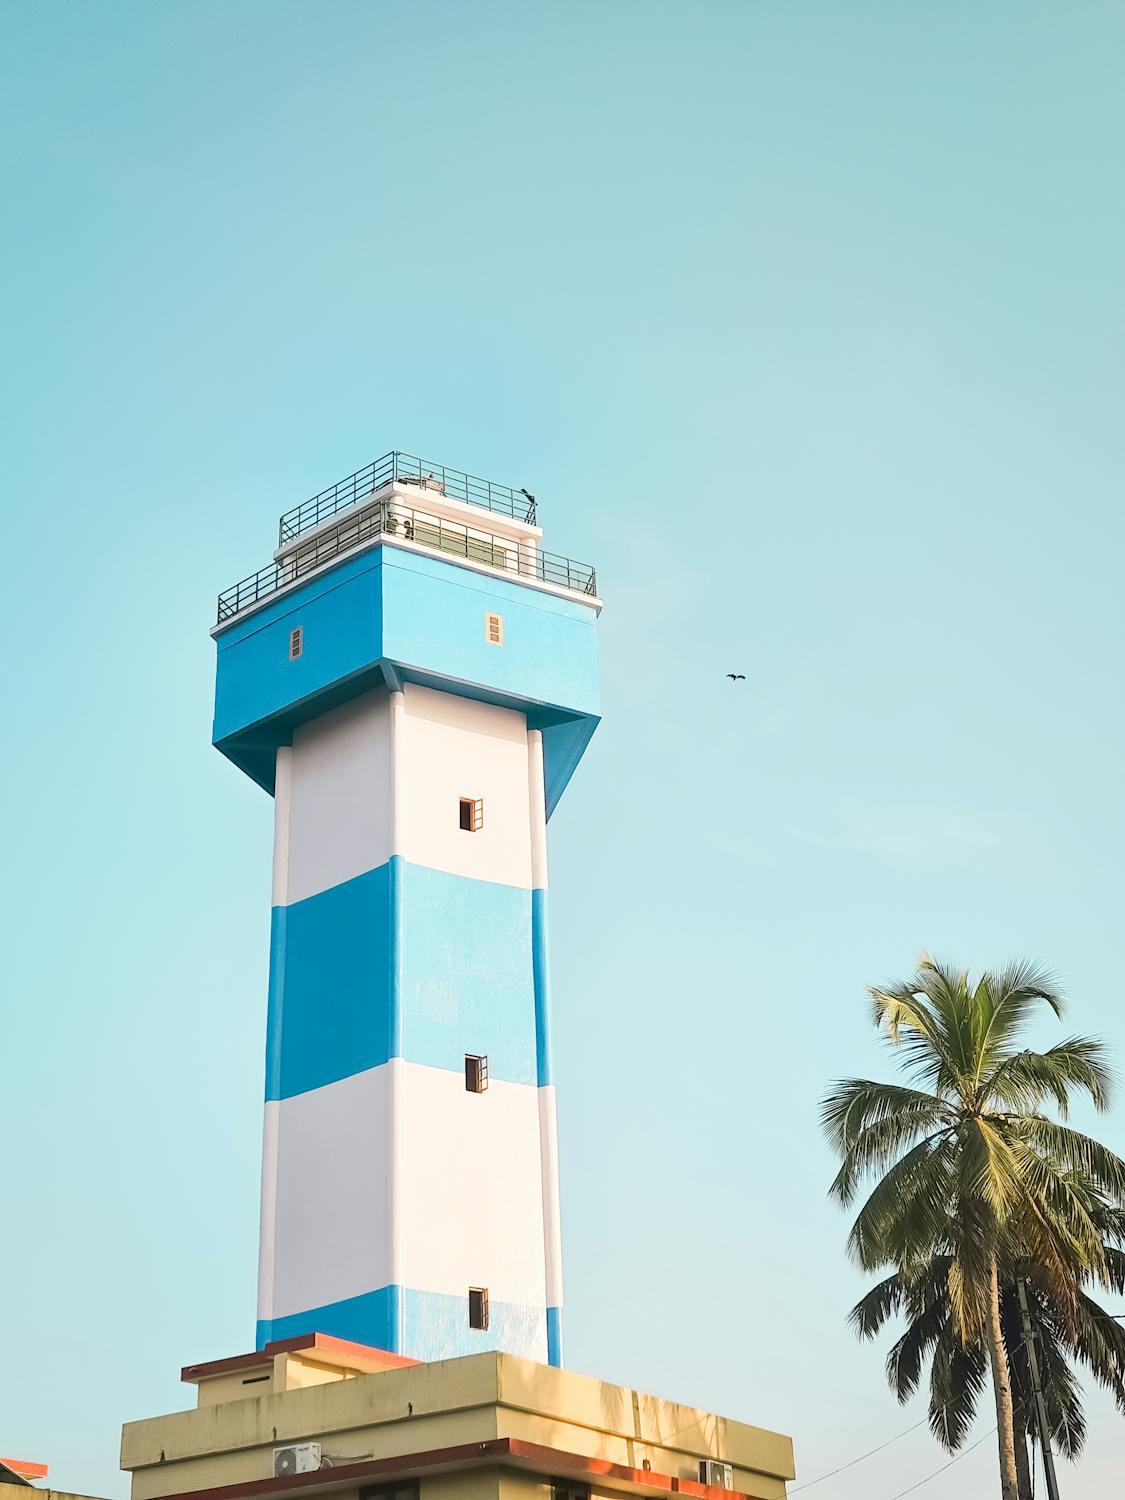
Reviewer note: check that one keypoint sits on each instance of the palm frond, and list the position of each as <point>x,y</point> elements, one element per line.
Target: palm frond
<point>1005,999</point>
<point>853,1104</point>
<point>989,1170</point>
<point>1099,1342</point>
<point>907,1213</point>
<point>958,1375</point>
<point>1113,1271</point>
<point>1074,1152</point>
<point>1027,1080</point>
<point>878,1306</point>
<point>1057,1223</point>
<point>1062,1394</point>
<point>903,1014</point>
<point>881,1143</point>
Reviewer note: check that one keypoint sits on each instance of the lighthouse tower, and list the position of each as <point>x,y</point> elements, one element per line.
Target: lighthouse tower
<point>414,680</point>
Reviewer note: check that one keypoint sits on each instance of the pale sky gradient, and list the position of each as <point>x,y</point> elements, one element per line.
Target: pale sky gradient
<point>805,323</point>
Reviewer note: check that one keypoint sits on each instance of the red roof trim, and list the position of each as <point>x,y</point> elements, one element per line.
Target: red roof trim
<point>338,1350</point>
<point>25,1468</point>
<point>535,1456</point>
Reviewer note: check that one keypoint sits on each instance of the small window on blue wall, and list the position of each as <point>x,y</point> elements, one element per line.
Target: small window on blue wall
<point>296,643</point>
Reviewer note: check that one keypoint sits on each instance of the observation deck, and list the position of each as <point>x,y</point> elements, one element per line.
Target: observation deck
<point>419,505</point>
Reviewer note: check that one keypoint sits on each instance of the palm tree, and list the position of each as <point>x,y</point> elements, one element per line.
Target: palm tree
<point>957,1371</point>
<point>968,1166</point>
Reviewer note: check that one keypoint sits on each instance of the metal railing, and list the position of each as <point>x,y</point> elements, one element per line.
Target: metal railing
<point>393,520</point>
<point>406,469</point>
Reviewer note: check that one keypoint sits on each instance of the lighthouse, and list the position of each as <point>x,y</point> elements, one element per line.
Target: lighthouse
<point>413,679</point>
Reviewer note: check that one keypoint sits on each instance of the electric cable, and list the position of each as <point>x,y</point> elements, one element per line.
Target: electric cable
<point>964,1453</point>
<point>871,1452</point>
<point>852,1462</point>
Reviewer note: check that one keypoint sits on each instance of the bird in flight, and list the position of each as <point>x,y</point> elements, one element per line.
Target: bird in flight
<point>737,676</point>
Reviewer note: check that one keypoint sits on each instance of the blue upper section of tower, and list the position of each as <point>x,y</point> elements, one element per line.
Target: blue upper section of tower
<point>385,611</point>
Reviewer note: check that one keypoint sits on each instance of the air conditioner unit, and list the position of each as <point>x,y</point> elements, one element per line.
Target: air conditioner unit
<point>720,1476</point>
<point>302,1458</point>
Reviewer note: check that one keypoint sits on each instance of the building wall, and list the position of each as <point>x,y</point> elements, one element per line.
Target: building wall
<point>400,943</point>
<point>440,1405</point>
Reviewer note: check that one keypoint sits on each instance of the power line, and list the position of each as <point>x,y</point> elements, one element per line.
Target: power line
<point>852,1462</point>
<point>956,1460</point>
<point>871,1452</point>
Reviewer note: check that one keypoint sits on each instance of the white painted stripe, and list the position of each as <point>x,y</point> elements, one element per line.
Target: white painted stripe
<point>281,799</point>
<point>398,1271</point>
<point>340,816</point>
<point>397,770</point>
<point>471,1203</point>
<point>400,1176</point>
<point>538,809</point>
<point>267,1238</point>
<point>331,1223</point>
<point>384,774</point>
<point>552,1220</point>
<point>454,747</point>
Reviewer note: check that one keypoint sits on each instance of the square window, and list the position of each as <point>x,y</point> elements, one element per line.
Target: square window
<point>494,629</point>
<point>476,1072</point>
<point>478,1307</point>
<point>470,813</point>
<point>296,643</point>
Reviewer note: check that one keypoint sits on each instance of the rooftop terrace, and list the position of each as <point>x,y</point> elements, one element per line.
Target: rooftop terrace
<point>404,498</point>
<point>405,467</point>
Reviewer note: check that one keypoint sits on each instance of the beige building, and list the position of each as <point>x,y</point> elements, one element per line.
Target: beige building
<point>321,1416</point>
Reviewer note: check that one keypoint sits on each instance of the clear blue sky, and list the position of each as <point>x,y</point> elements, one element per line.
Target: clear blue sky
<point>804,322</point>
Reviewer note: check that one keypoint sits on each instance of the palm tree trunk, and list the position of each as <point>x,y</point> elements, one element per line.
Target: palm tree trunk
<point>1002,1390</point>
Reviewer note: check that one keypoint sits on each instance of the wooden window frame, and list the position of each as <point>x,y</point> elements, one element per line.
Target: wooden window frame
<point>476,1072</point>
<point>470,814</point>
<point>481,1293</point>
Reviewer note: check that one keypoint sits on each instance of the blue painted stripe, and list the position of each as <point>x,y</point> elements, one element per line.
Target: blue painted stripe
<point>541,971</point>
<point>402,961</point>
<point>467,983</point>
<point>331,1000</point>
<point>554,1337</point>
<point>372,1318</point>
<point>431,1325</point>
<point>394,968</point>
